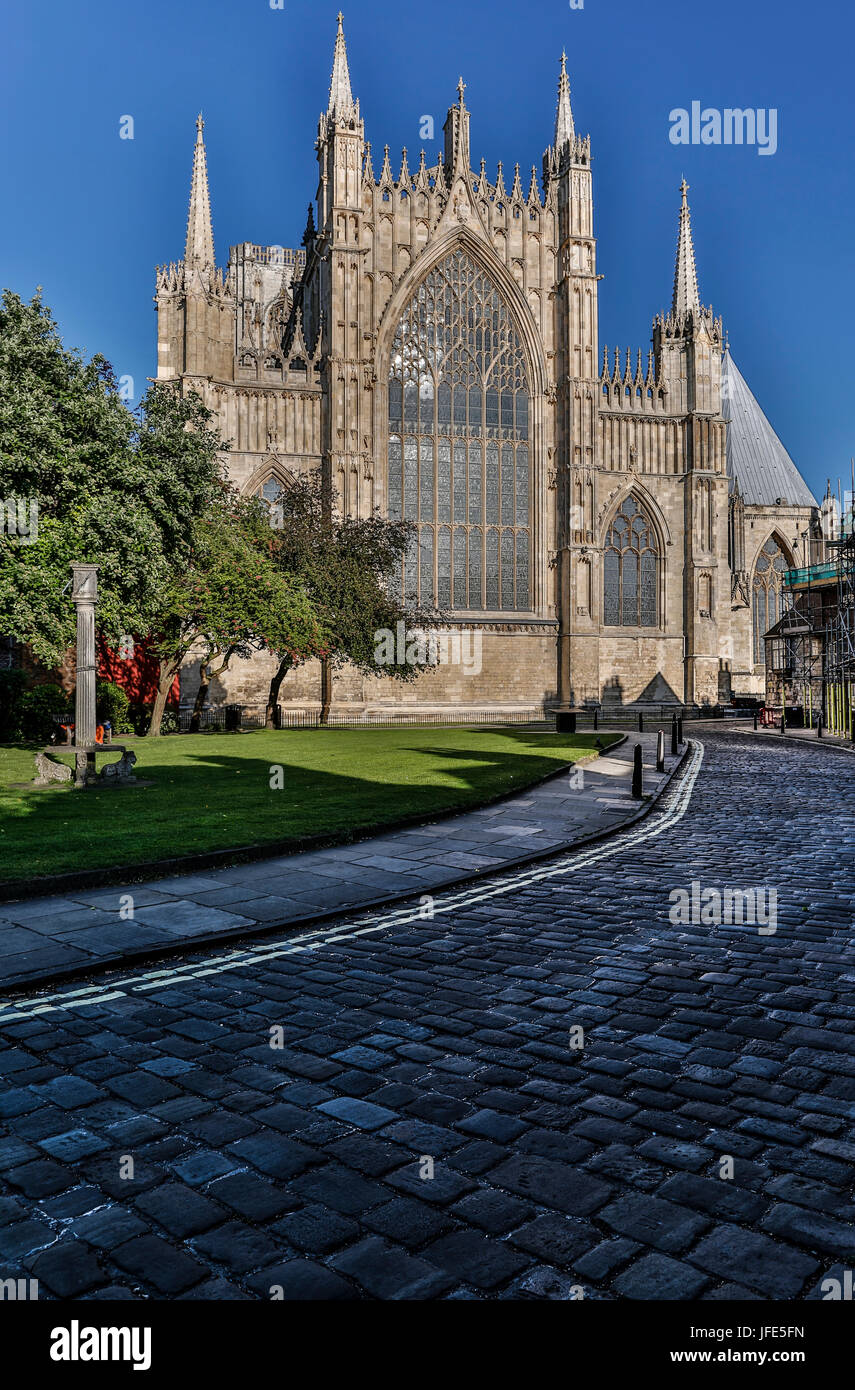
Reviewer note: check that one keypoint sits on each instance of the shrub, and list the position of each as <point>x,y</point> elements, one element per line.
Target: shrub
<point>114,704</point>
<point>41,707</point>
<point>12,690</point>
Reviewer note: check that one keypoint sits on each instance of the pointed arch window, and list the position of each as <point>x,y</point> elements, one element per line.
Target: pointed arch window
<point>631,562</point>
<point>459,460</point>
<point>270,494</point>
<point>766,593</point>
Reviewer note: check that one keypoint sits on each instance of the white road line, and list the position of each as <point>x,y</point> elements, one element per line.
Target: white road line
<point>163,977</point>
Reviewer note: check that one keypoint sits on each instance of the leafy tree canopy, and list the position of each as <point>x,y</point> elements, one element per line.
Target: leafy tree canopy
<point>346,565</point>
<point>115,489</point>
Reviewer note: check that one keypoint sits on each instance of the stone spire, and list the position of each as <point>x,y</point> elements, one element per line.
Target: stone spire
<point>199,250</point>
<point>456,131</point>
<point>341,97</point>
<point>686,297</point>
<point>564,128</point>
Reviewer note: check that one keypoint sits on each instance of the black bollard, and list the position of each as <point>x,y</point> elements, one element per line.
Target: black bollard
<point>819,727</point>
<point>755,721</point>
<point>783,718</point>
<point>641,723</point>
<point>637,773</point>
<point>674,744</point>
<point>660,751</point>
<point>596,717</point>
<point>680,729</point>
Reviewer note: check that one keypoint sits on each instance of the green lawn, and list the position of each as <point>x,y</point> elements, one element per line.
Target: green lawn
<point>212,791</point>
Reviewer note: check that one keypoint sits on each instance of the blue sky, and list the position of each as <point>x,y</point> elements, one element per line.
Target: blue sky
<point>88,215</point>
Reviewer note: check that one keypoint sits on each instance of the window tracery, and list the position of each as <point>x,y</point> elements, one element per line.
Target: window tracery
<point>767,590</point>
<point>631,568</point>
<point>459,460</point>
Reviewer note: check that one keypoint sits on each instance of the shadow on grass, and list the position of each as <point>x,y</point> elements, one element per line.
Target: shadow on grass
<point>215,800</point>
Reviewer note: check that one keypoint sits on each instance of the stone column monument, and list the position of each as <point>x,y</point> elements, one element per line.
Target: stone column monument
<point>84,592</point>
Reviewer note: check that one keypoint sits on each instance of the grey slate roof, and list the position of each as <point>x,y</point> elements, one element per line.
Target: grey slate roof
<point>755,454</point>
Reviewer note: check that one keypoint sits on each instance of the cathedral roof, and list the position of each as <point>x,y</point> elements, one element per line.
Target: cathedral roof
<point>755,454</point>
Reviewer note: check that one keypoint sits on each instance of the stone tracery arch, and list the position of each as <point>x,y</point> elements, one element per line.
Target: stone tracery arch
<point>767,588</point>
<point>459,430</point>
<point>632,566</point>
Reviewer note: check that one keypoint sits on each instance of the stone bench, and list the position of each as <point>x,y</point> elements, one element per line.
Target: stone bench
<point>85,774</point>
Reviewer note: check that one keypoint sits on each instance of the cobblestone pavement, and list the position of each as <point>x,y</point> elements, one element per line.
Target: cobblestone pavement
<point>303,1167</point>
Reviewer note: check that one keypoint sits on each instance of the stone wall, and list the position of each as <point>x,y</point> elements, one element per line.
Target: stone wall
<point>517,672</point>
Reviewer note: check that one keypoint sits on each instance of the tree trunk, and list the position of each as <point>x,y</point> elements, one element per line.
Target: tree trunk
<point>273,694</point>
<point>207,673</point>
<point>326,690</point>
<point>166,676</point>
<point>201,697</point>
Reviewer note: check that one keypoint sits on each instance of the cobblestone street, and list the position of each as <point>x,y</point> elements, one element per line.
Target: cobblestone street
<point>425,1124</point>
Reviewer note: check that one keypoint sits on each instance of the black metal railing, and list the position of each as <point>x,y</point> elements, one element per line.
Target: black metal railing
<point>229,718</point>
<point>415,719</point>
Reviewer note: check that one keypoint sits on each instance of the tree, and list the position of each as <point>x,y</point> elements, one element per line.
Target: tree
<point>182,560</point>
<point>112,488</point>
<point>345,565</point>
<point>232,600</point>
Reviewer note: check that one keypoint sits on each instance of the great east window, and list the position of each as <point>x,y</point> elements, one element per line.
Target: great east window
<point>459,443</point>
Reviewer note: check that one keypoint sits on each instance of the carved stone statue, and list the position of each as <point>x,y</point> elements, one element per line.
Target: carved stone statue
<point>48,770</point>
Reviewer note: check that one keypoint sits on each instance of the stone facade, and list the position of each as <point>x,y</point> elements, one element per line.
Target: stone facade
<point>307,357</point>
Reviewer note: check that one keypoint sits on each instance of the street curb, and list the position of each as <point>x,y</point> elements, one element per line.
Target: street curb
<point>22,889</point>
<point>301,924</point>
<point>818,743</point>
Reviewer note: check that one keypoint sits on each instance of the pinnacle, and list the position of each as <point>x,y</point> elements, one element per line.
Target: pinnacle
<point>341,97</point>
<point>199,246</point>
<point>564,128</point>
<point>686,295</point>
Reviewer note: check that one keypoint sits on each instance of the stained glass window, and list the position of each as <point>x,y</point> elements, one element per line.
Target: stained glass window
<point>767,588</point>
<point>459,456</point>
<point>270,494</point>
<point>631,569</point>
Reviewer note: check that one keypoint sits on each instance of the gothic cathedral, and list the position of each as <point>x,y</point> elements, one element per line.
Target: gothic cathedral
<point>616,528</point>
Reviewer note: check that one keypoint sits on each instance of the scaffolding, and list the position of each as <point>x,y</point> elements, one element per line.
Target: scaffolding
<point>794,663</point>
<point>810,651</point>
<point>839,654</point>
<point>795,645</point>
